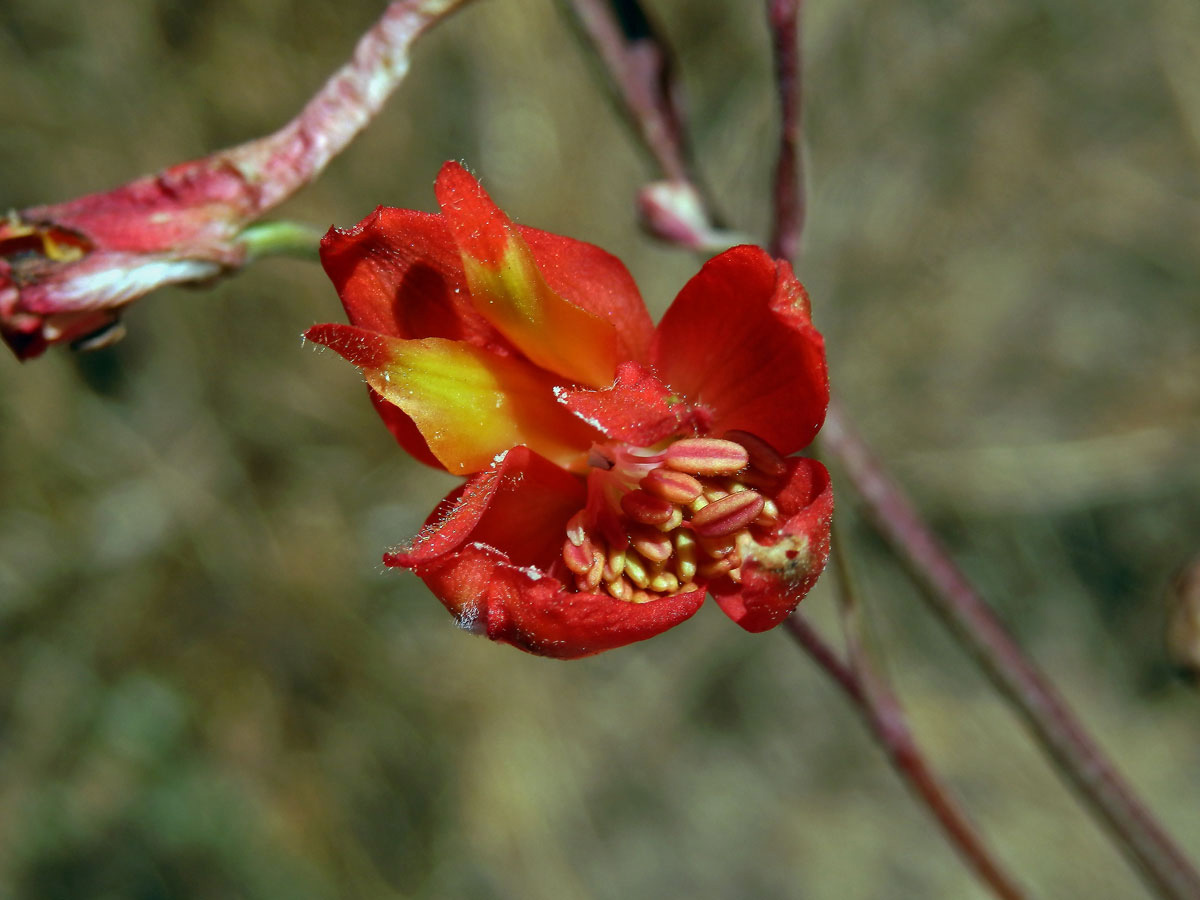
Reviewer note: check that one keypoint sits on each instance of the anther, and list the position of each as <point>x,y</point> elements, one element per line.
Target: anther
<point>769,516</point>
<point>714,568</point>
<point>664,583</point>
<point>642,507</point>
<point>677,487</point>
<point>727,515</point>
<point>653,545</point>
<point>635,571</point>
<point>685,555</point>
<point>596,573</point>
<point>675,520</point>
<point>763,456</point>
<point>575,529</point>
<point>579,558</point>
<point>719,546</point>
<point>706,456</point>
<point>614,565</point>
<point>621,589</point>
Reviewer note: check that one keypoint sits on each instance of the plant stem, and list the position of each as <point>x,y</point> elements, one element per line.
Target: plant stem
<point>789,194</point>
<point>1069,746</point>
<point>884,716</point>
<point>280,238</point>
<point>1074,753</point>
<point>283,162</point>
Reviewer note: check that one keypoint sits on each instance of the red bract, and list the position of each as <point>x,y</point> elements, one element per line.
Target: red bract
<point>616,472</point>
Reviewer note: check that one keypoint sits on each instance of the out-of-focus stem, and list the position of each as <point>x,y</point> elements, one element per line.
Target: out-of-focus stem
<point>1061,735</point>
<point>881,708</point>
<point>1052,722</point>
<point>790,202</point>
<point>885,718</point>
<point>639,73</point>
<point>285,161</point>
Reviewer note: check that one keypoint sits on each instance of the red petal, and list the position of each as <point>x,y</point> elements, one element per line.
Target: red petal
<point>519,506</point>
<point>776,577</point>
<point>738,340</point>
<point>399,272</point>
<point>596,281</point>
<point>469,404</point>
<point>510,291</point>
<point>485,553</point>
<point>638,408</point>
<point>404,430</point>
<point>530,610</point>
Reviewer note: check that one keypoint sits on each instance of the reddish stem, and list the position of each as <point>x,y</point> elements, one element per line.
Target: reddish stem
<point>961,606</point>
<point>640,73</point>
<point>884,716</point>
<point>283,162</point>
<point>790,201</point>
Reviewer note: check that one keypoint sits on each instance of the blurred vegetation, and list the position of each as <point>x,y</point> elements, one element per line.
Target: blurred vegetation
<point>210,687</point>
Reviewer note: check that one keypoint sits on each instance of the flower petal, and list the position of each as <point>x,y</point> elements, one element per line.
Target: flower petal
<point>638,408</point>
<point>468,404</point>
<point>519,506</point>
<point>509,290</point>
<point>532,611</point>
<point>776,577</point>
<point>398,272</point>
<point>487,553</point>
<point>404,430</point>
<point>596,281</point>
<point>739,341</point>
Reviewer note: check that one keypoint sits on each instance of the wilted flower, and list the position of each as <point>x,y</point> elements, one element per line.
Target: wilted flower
<point>67,270</point>
<point>616,472</point>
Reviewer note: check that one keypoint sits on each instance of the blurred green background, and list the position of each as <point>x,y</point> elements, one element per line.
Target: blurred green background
<point>211,688</point>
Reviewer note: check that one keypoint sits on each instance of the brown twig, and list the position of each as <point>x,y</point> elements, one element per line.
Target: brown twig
<point>1065,740</point>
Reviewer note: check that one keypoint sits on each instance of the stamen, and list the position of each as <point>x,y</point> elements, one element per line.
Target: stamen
<point>635,570</point>
<point>673,522</point>
<point>719,546</point>
<point>654,546</point>
<point>677,487</point>
<point>657,520</point>
<point>641,507</point>
<point>595,573</point>
<point>728,515</point>
<point>579,558</point>
<point>685,555</point>
<point>576,532</point>
<point>763,456</point>
<point>621,589</point>
<point>614,565</point>
<point>714,568</point>
<point>769,517</point>
<point>664,583</point>
<point>706,456</point>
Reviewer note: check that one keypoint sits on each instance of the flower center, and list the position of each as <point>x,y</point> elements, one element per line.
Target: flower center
<point>657,520</point>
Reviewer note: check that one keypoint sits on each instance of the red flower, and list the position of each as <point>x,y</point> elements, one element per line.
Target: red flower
<point>616,472</point>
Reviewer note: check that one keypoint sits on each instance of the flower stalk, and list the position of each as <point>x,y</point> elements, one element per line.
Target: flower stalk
<point>67,270</point>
